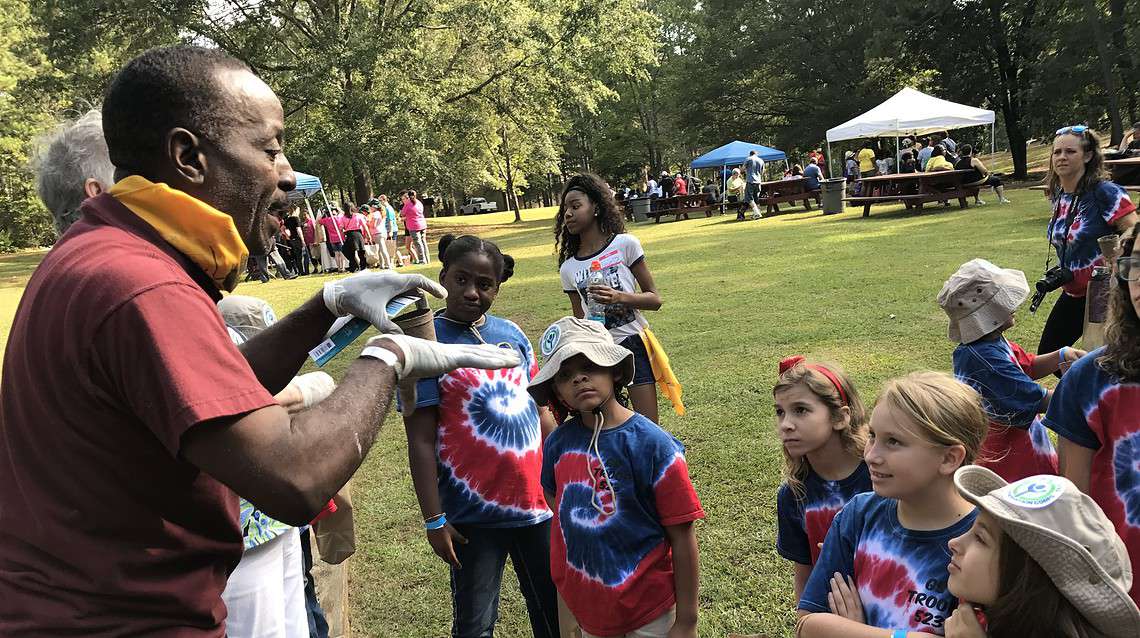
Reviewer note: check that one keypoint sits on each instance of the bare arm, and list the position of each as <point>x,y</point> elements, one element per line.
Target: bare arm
<point>822,625</point>
<point>279,351</point>
<point>1126,222</point>
<point>1075,462</point>
<point>800,579</point>
<point>290,467</point>
<point>546,422</point>
<point>647,299</point>
<point>420,427</point>
<point>576,305</point>
<point>686,573</point>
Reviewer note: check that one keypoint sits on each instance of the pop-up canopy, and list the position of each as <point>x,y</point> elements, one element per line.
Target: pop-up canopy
<point>735,153</point>
<point>307,186</point>
<point>910,112</point>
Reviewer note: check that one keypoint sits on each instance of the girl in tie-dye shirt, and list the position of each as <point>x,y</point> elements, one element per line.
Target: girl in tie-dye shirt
<point>474,439</point>
<point>884,563</point>
<point>1095,412</point>
<point>823,427</point>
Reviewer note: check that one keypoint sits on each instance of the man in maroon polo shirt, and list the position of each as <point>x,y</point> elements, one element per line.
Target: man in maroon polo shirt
<point>128,420</point>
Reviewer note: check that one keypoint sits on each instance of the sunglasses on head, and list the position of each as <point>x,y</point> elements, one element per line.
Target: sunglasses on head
<point>1079,129</point>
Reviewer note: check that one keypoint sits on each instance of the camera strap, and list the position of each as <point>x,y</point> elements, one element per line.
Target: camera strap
<point>1070,218</point>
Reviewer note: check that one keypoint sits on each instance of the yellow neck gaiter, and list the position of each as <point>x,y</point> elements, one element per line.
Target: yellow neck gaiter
<point>201,232</point>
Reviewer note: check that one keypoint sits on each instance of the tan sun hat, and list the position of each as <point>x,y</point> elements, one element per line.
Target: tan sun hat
<point>980,297</point>
<point>1069,536</point>
<point>568,337</point>
<point>246,315</point>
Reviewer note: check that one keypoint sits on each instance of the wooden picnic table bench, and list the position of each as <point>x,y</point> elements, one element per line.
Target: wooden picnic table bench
<point>787,190</point>
<point>914,189</point>
<point>1125,172</point>
<point>680,205</point>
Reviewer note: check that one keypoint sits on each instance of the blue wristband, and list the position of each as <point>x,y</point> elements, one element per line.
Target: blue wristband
<point>898,633</point>
<point>438,523</point>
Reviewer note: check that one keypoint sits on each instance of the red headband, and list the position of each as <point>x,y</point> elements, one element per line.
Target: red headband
<point>790,362</point>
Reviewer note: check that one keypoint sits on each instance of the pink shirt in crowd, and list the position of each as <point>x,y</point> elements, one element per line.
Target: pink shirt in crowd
<point>376,224</point>
<point>413,212</point>
<point>309,230</point>
<point>356,222</point>
<point>332,229</point>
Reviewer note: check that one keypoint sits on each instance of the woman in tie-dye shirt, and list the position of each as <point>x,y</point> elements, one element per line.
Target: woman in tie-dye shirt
<point>884,561</point>
<point>1086,206</point>
<point>474,439</point>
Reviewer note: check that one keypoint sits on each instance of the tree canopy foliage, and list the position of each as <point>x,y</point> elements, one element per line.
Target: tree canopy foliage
<point>460,97</point>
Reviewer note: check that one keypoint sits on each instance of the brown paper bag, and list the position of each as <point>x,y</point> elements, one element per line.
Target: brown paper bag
<point>336,537</point>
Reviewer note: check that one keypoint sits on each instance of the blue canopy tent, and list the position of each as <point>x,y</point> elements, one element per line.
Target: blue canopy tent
<point>733,154</point>
<point>307,186</point>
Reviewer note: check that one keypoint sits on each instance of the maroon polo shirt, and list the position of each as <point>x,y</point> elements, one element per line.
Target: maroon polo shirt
<point>116,351</point>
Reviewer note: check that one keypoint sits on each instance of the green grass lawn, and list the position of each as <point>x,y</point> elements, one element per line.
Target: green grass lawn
<point>738,297</point>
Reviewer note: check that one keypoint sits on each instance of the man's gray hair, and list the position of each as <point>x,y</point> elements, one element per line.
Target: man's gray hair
<point>63,160</point>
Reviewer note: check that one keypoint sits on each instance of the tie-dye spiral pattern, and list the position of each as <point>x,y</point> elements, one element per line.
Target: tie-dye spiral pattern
<point>802,524</point>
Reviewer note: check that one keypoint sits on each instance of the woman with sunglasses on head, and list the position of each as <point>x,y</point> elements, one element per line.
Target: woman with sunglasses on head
<point>1086,206</point>
<point>1095,411</point>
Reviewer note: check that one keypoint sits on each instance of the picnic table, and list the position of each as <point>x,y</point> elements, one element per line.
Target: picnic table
<point>1121,169</point>
<point>679,205</point>
<point>914,189</point>
<point>787,190</point>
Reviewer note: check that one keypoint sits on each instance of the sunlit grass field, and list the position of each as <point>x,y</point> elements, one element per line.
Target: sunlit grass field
<point>738,296</point>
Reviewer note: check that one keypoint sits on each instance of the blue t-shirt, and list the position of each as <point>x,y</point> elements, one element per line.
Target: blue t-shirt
<point>900,573</point>
<point>924,156</point>
<point>1096,410</point>
<point>1096,212</point>
<point>488,438</point>
<point>1017,445</point>
<point>615,571</point>
<point>812,175</point>
<point>753,169</point>
<point>802,524</point>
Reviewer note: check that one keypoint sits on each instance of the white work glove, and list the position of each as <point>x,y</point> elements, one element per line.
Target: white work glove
<point>425,359</point>
<point>366,295</point>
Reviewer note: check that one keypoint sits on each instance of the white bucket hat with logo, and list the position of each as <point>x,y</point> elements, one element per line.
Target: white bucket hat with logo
<point>246,315</point>
<point>569,337</point>
<point>1069,536</point>
<point>980,297</point>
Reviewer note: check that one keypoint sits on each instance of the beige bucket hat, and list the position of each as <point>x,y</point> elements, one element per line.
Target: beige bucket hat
<point>1068,534</point>
<point>246,315</point>
<point>980,297</point>
<point>569,337</point>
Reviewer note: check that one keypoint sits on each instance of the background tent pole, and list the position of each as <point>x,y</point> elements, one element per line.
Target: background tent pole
<point>830,167</point>
<point>993,144</point>
<point>325,197</point>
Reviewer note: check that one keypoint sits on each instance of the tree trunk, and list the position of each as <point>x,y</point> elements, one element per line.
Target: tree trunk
<point>1092,16</point>
<point>1010,97</point>
<point>1130,80</point>
<point>360,183</point>
<point>510,178</point>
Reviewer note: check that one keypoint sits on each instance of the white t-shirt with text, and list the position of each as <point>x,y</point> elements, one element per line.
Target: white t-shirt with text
<point>616,259</point>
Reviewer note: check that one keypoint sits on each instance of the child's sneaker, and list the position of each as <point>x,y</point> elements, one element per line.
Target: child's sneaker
<point>1005,201</point>
<point>979,202</point>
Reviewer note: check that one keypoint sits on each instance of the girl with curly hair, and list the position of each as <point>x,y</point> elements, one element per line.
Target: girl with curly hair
<point>589,234</point>
<point>1095,411</point>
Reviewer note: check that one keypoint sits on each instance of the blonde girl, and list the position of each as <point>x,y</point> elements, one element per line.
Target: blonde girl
<point>823,428</point>
<point>884,561</point>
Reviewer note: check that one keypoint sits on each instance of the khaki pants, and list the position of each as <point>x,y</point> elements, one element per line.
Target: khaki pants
<point>658,628</point>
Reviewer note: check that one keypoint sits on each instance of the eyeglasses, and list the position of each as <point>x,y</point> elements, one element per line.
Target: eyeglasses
<point>1128,268</point>
<point>1079,129</point>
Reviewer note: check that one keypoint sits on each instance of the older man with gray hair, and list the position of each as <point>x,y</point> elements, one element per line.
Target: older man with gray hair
<point>71,164</point>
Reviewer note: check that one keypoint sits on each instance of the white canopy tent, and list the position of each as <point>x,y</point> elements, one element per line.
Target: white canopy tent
<point>911,112</point>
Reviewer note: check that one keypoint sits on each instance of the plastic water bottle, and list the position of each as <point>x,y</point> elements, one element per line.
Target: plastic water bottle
<point>595,310</point>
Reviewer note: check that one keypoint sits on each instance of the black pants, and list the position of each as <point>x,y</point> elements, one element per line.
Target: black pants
<point>475,588</point>
<point>296,259</point>
<point>354,250</point>
<point>1065,324</point>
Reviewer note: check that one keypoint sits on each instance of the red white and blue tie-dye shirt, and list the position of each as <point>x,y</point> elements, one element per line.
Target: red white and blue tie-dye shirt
<point>1017,445</point>
<point>615,572</point>
<point>1094,409</point>
<point>802,523</point>
<point>489,443</point>
<point>1097,210</point>
<point>901,573</point>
